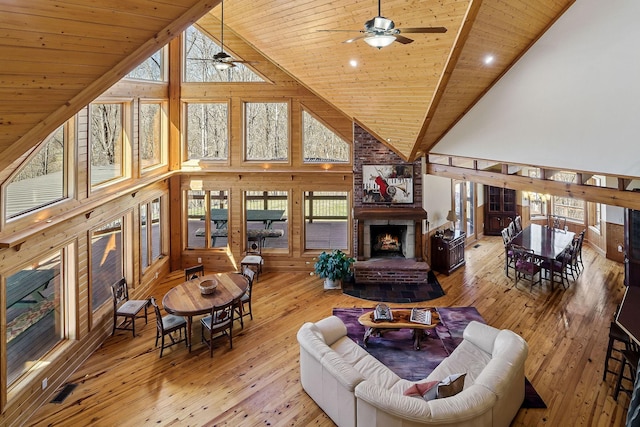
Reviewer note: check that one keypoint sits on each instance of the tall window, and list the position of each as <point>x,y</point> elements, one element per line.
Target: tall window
<point>152,124</point>
<point>36,315</point>
<point>207,131</point>
<point>41,180</point>
<point>572,209</point>
<point>107,140</point>
<point>464,205</point>
<point>199,62</point>
<point>150,232</point>
<point>266,131</point>
<point>321,144</point>
<point>326,216</point>
<point>537,201</point>
<point>207,215</point>
<point>151,69</point>
<point>266,217</point>
<point>107,261</point>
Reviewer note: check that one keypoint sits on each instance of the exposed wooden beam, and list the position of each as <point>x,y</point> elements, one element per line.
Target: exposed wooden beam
<point>604,195</point>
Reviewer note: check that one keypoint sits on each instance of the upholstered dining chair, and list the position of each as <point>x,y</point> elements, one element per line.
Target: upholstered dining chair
<point>168,325</point>
<point>124,307</point>
<point>526,265</point>
<point>557,268</point>
<point>220,321</point>
<point>243,308</point>
<point>193,272</point>
<point>253,258</point>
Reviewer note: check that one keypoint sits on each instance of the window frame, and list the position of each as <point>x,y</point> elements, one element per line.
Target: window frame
<point>125,156</point>
<point>164,135</point>
<point>306,112</point>
<point>245,142</point>
<point>185,133</point>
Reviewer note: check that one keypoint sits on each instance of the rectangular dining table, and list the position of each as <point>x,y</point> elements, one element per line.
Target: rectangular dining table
<point>545,242</point>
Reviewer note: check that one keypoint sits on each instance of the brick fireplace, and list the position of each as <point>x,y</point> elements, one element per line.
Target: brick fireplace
<point>397,227</point>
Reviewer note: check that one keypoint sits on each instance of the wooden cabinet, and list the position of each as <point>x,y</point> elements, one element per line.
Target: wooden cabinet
<point>447,251</point>
<point>499,209</point>
<point>631,247</point>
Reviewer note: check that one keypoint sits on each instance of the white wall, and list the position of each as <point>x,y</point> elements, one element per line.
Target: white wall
<point>572,101</point>
<point>436,199</point>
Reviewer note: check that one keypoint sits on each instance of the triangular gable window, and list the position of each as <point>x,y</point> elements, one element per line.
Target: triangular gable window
<point>199,61</point>
<point>321,144</point>
<point>41,180</point>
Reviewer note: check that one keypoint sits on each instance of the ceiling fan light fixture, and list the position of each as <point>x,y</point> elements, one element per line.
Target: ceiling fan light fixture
<point>380,40</point>
<point>222,66</point>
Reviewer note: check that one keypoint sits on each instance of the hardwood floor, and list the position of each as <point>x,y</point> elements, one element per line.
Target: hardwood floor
<point>257,382</point>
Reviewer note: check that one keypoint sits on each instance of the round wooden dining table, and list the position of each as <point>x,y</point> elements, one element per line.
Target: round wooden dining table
<point>187,300</point>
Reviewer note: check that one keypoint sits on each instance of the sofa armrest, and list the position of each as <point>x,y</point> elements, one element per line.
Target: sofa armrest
<point>332,329</point>
<point>311,340</point>
<point>481,335</point>
<point>343,372</point>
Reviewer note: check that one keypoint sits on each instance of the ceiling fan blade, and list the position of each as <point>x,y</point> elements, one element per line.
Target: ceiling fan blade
<point>351,40</point>
<point>403,40</point>
<point>340,31</point>
<point>423,30</point>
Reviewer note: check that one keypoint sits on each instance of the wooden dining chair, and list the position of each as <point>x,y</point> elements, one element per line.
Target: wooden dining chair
<point>526,266</point>
<point>220,321</point>
<point>556,269</point>
<point>517,222</point>
<point>168,325</point>
<point>508,252</point>
<point>243,308</point>
<point>253,258</point>
<point>193,272</point>
<point>557,222</point>
<point>124,307</point>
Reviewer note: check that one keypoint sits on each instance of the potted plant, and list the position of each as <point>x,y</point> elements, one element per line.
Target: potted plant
<point>333,267</point>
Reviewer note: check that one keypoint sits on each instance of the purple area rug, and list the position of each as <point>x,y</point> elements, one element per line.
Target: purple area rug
<point>396,351</point>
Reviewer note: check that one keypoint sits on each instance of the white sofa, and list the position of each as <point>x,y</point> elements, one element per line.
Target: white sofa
<point>355,389</point>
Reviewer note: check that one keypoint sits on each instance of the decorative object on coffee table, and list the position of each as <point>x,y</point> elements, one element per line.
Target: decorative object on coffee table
<point>333,267</point>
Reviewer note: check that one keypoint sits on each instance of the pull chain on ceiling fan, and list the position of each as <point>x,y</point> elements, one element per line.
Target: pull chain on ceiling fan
<point>380,32</point>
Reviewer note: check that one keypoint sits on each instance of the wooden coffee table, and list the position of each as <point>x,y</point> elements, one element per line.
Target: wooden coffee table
<point>400,321</point>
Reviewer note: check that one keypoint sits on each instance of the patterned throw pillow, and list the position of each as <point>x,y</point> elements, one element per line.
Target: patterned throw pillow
<point>427,390</point>
<point>451,385</point>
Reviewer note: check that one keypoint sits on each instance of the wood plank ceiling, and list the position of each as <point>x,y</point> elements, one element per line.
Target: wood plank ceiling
<point>58,55</point>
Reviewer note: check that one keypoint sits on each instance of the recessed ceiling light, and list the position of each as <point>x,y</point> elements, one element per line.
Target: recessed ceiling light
<point>353,63</point>
<point>488,59</point>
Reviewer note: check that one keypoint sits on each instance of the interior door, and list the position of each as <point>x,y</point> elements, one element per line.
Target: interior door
<point>464,204</point>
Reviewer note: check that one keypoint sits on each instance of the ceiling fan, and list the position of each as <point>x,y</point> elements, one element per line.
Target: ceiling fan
<point>380,32</point>
<point>223,61</point>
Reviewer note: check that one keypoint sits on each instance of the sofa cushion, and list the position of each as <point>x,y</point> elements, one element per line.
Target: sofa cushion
<point>349,350</point>
<point>373,370</point>
<point>466,358</point>
<point>450,386</point>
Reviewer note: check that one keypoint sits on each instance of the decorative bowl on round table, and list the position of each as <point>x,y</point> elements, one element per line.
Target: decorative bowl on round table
<point>208,286</point>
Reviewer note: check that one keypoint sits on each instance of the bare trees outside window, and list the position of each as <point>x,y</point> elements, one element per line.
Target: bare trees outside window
<point>151,69</point>
<point>106,142</point>
<point>41,180</point>
<point>321,144</point>
<point>199,50</point>
<point>151,134</point>
<point>207,131</point>
<point>266,131</point>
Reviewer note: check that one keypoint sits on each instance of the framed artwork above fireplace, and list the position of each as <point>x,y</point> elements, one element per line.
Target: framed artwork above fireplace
<point>387,184</point>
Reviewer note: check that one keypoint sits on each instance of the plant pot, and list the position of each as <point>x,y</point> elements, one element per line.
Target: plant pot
<point>332,284</point>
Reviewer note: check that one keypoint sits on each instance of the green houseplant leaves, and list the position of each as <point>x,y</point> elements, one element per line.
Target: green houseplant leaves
<point>335,265</point>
